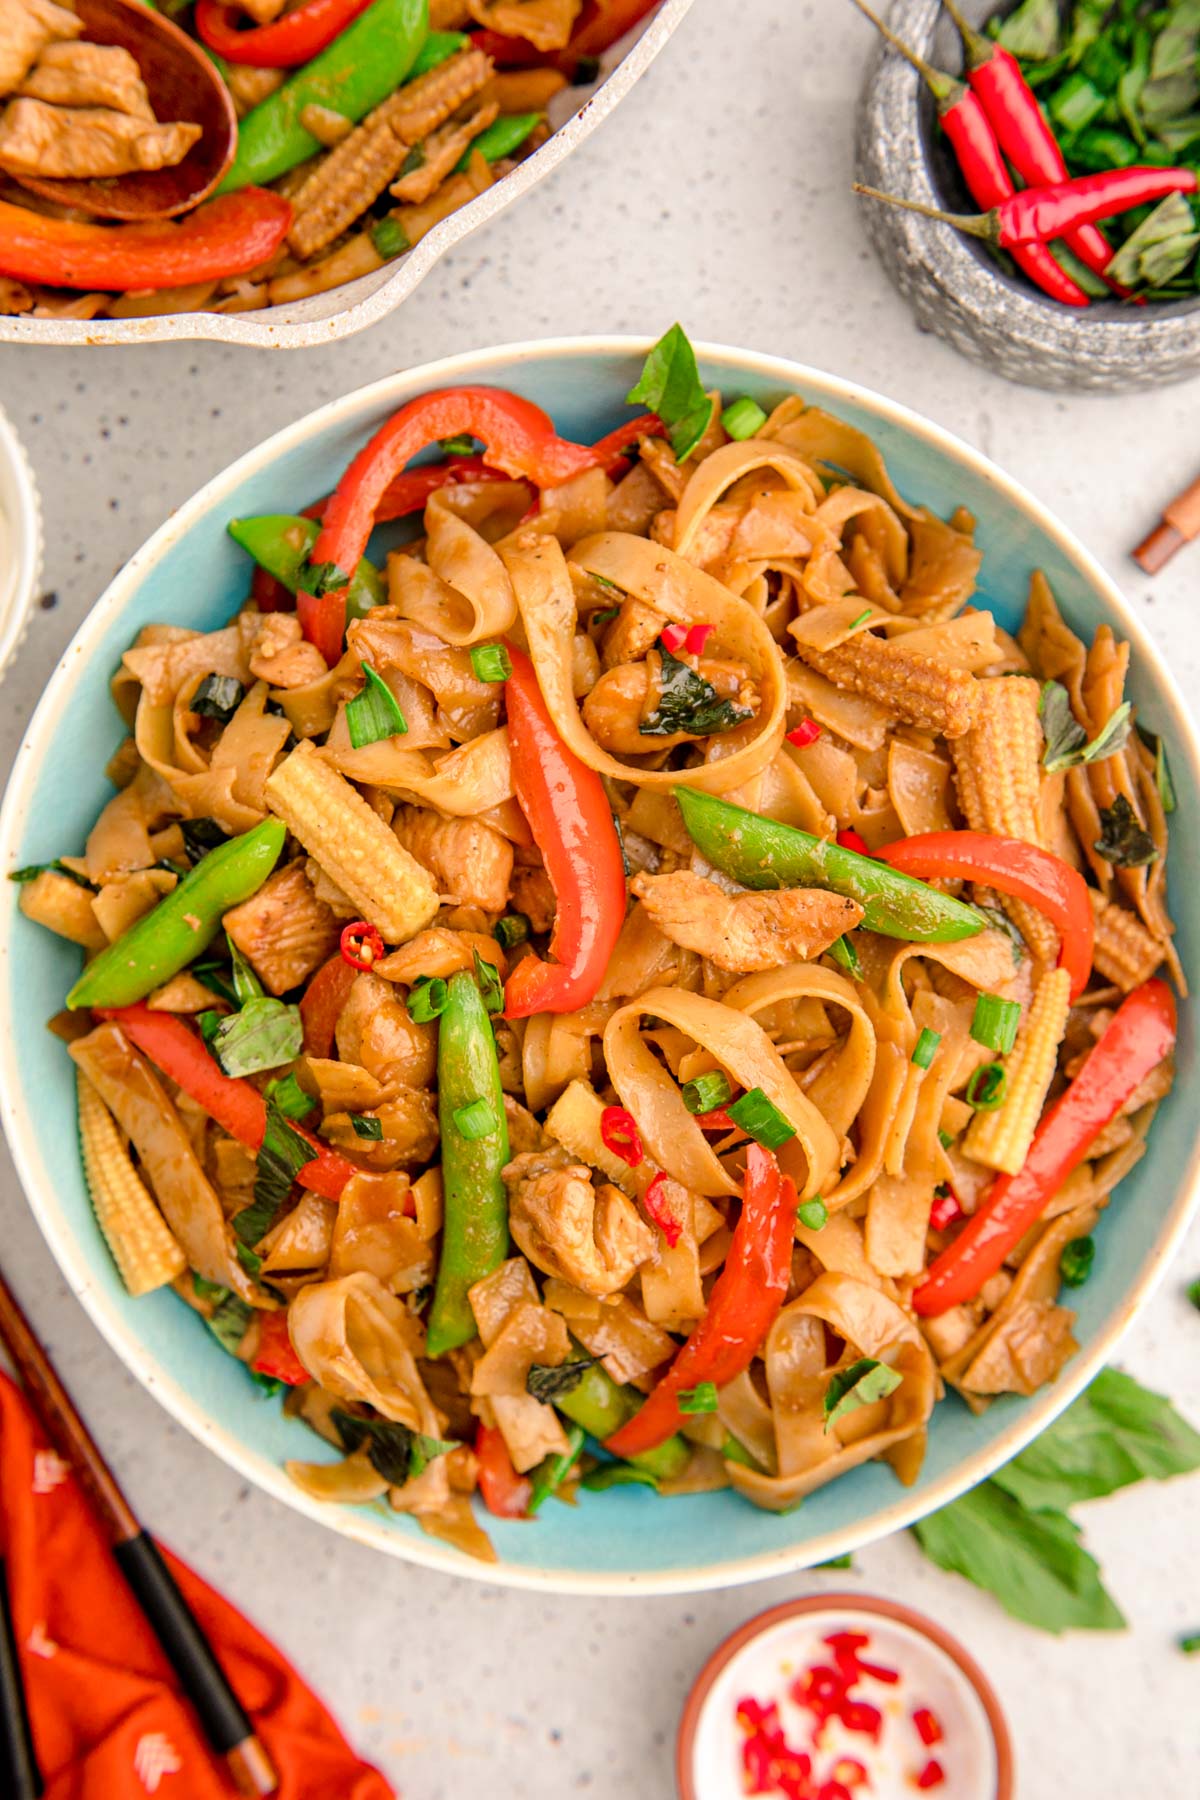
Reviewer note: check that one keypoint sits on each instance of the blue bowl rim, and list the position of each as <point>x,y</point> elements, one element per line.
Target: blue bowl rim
<point>366,404</point>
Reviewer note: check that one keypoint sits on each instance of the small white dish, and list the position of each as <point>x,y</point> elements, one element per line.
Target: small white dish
<point>940,1727</point>
<point>20,542</point>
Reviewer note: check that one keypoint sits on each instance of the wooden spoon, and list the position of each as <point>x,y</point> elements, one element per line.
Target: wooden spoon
<point>182,84</point>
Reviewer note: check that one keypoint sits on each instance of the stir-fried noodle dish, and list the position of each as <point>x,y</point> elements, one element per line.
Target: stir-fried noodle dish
<point>653,986</point>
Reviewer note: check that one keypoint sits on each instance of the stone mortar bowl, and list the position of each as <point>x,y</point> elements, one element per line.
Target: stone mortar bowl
<point>953,284</point>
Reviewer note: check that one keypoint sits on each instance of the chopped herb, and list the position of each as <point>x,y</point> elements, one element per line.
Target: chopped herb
<point>216,975</point>
<point>462,445</point>
<point>945,1139</point>
<point>670,385</point>
<point>426,999</point>
<point>229,1320</point>
<point>491,662</point>
<point>318,579</point>
<point>603,617</point>
<point>207,1290</point>
<point>742,418</point>
<point>1000,921</point>
<point>861,619</point>
<point>33,870</point>
<point>246,985</point>
<point>843,952</point>
<point>200,836</point>
<point>366,1128</point>
<point>209,1022</point>
<point>813,1214</point>
<point>374,713</point>
<point>1067,743</point>
<point>926,1047</point>
<point>512,929</point>
<point>389,238</point>
<point>761,1119</point>
<point>995,1021</point>
<point>250,1260</point>
<point>291,1098</point>
<point>1190,1644</point>
<point>706,1092</point>
<point>617,1474</point>
<point>1162,778</point>
<point>1123,841</point>
<point>414,160</point>
<point>549,1384</point>
<point>217,697</point>
<point>549,1475</point>
<point>491,987</point>
<point>688,702</point>
<point>1193,1294</point>
<point>282,1156</point>
<point>862,1384</point>
<point>1075,1263</point>
<point>265,1034</point>
<point>395,1451</point>
<point>700,1399</point>
<point>266,1384</point>
<point>987,1088</point>
<point>475,1120</point>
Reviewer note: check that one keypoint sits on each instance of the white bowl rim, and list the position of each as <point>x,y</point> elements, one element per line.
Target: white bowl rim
<point>25,530</point>
<point>357,1524</point>
<point>263,331</point>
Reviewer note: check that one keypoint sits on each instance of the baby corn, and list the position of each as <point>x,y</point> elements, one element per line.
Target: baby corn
<point>913,687</point>
<point>998,772</point>
<point>356,849</point>
<point>1001,1139</point>
<point>142,1245</point>
<point>1124,951</point>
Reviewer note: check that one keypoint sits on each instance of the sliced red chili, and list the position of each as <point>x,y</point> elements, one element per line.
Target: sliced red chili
<point>944,1211</point>
<point>660,1210</point>
<point>361,945</point>
<point>697,637</point>
<point>619,1132</point>
<point>673,638</point>
<point>805,733</point>
<point>853,840</point>
<point>928,1725</point>
<point>932,1775</point>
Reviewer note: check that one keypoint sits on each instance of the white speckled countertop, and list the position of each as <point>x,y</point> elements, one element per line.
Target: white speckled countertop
<point>718,195</point>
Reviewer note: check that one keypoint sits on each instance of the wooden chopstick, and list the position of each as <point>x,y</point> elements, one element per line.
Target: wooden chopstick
<point>226,1726</point>
<point>18,1764</point>
<point>1180,523</point>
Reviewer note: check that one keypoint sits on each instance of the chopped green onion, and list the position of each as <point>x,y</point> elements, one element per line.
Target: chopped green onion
<point>487,977</point>
<point>1162,776</point>
<point>843,952</point>
<point>861,619</point>
<point>926,1047</point>
<point>373,714</point>
<point>814,1214</point>
<point>761,1119</point>
<point>604,615</point>
<point>474,1120</point>
<point>1075,1263</point>
<point>389,238</point>
<point>987,1088</point>
<point>426,999</point>
<point>500,139</point>
<point>706,1092</point>
<point>366,1128</point>
<point>700,1399</point>
<point>743,418</point>
<point>491,662</point>
<point>995,1022</point>
<point>945,1139</point>
<point>512,929</point>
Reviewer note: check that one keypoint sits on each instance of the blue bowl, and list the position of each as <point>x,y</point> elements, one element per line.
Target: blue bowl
<point>192,574</point>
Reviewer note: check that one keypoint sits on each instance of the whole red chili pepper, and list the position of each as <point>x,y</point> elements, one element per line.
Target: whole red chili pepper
<point>1023,131</point>
<point>283,44</point>
<point>743,1306</point>
<point>361,945</point>
<point>1036,215</point>
<point>225,236</point>
<point>981,160</point>
<point>572,824</point>
<point>1140,1033</point>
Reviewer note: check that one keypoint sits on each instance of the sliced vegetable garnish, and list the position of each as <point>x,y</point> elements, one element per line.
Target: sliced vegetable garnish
<point>374,713</point>
<point>805,733</point>
<point>491,662</point>
<point>426,999</point>
<point>551,1474</point>
<point>389,238</point>
<point>743,417</point>
<point>925,1048</point>
<point>550,1384</point>
<point>1067,743</point>
<point>361,945</point>
<point>700,1399</point>
<point>760,1118</point>
<point>265,1034</point>
<point>619,1133</point>
<point>813,1214</point>
<point>371,1129</point>
<point>1075,1263</point>
<point>995,1021</point>
<point>282,1156</point>
<point>706,1092</point>
<point>396,1452</point>
<point>1123,840</point>
<point>845,955</point>
<point>659,1208</point>
<point>475,1120</point>
<point>512,928</point>
<point>670,385</point>
<point>987,1087</point>
<point>688,702</point>
<point>217,697</point>
<point>862,1384</point>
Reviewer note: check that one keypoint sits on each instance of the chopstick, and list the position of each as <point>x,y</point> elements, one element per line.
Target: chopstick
<point>226,1726</point>
<point>1180,523</point>
<point>18,1764</point>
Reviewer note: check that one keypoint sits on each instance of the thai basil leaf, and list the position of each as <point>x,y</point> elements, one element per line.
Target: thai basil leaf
<point>1067,743</point>
<point>200,836</point>
<point>282,1156</point>
<point>246,984</point>
<point>366,1128</point>
<point>1122,840</point>
<point>550,1384</point>
<point>861,1384</point>
<point>394,1450</point>
<point>670,385</point>
<point>217,697</point>
<point>688,703</point>
<point>265,1034</point>
<point>229,1320</point>
<point>32,870</point>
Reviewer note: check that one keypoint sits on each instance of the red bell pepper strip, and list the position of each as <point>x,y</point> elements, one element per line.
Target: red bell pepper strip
<point>225,236</point>
<point>321,1006</point>
<point>237,1106</point>
<point>286,42</point>
<point>742,1307</point>
<point>1140,1033</point>
<point>1013,867</point>
<point>410,490</point>
<point>275,1356</point>
<point>598,27</point>
<point>572,824</point>
<point>502,1490</point>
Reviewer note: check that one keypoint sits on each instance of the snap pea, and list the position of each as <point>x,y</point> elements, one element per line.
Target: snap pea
<point>761,853</point>
<point>501,138</point>
<point>361,67</point>
<point>183,924</point>
<point>475,1229</point>
<point>438,48</point>
<point>281,543</point>
<point>601,1406</point>
<point>551,1474</point>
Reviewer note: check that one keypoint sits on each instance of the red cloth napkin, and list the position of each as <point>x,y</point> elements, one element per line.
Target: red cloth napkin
<point>109,1722</point>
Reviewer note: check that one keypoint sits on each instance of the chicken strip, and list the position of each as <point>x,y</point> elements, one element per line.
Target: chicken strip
<point>60,142</point>
<point>26,27</point>
<point>285,930</point>
<point>469,860</point>
<point>592,1237</point>
<point>68,74</point>
<point>743,932</point>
